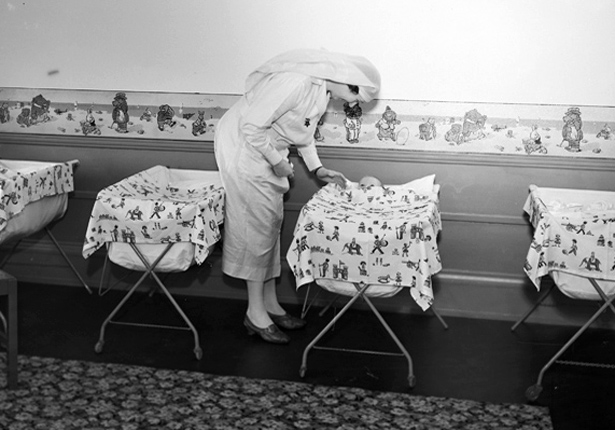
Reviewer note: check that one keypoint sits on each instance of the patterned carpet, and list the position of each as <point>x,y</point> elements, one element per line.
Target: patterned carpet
<point>57,394</point>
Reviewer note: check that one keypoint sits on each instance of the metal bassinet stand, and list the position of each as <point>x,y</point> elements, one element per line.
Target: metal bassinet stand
<point>382,239</point>
<point>149,271</point>
<point>362,293</point>
<point>571,244</point>
<point>169,219</point>
<point>533,392</point>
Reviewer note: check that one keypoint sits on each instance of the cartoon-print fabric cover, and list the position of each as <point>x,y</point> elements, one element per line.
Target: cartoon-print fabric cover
<point>159,205</point>
<point>23,182</point>
<point>382,236</point>
<point>573,234</point>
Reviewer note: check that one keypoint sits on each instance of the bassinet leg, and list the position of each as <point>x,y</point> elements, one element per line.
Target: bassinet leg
<point>74,269</point>
<point>198,352</point>
<point>533,308</point>
<point>102,277</point>
<point>534,391</point>
<point>101,339</point>
<point>437,314</point>
<point>411,377</point>
<point>324,331</point>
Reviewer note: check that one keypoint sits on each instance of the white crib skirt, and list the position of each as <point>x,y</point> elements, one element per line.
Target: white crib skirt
<point>178,259</point>
<point>347,288</point>
<point>34,217</point>
<point>579,287</point>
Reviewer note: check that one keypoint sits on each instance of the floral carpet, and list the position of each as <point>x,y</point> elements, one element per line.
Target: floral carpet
<point>70,394</point>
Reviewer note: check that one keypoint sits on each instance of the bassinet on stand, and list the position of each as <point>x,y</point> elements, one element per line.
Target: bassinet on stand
<point>158,220</point>
<point>366,242</point>
<point>33,195</point>
<point>574,231</point>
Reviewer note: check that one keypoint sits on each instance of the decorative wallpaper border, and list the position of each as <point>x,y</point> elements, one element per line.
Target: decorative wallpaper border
<point>402,125</point>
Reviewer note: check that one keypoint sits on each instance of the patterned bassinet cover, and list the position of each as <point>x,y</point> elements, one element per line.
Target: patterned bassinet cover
<point>159,206</point>
<point>29,184</point>
<point>574,234</point>
<point>384,236</point>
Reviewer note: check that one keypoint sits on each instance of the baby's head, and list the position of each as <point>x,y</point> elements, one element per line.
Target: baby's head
<point>369,181</point>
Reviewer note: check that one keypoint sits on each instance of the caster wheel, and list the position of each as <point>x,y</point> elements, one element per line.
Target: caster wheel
<point>533,392</point>
<point>411,381</point>
<point>99,346</point>
<point>302,371</point>
<point>198,352</point>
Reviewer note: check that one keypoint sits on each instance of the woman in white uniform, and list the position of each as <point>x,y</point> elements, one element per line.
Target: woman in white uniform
<point>284,99</point>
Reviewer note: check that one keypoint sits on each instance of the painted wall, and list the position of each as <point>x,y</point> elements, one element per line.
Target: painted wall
<point>524,51</point>
<point>483,245</point>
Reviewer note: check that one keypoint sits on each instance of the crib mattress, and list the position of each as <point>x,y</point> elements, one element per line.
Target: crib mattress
<point>23,183</point>
<point>574,234</point>
<point>159,206</point>
<point>384,236</point>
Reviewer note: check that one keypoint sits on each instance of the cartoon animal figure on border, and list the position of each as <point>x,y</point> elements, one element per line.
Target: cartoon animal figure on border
<point>164,117</point>
<point>119,115</point>
<point>40,109</point>
<point>88,126</point>
<point>454,135</point>
<point>199,126</point>
<point>572,132</point>
<point>473,125</point>
<point>146,115</point>
<point>606,133</point>
<point>23,119</point>
<point>5,114</point>
<point>386,125</point>
<point>534,143</point>
<point>353,122</point>
<point>427,130</point>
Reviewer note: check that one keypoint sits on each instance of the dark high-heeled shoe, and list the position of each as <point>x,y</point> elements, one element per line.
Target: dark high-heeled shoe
<point>269,334</point>
<point>288,322</point>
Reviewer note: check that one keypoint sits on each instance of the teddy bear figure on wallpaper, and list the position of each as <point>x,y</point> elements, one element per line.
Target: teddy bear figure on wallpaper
<point>427,130</point>
<point>352,122</point>
<point>572,131</point>
<point>199,126</point>
<point>473,125</point>
<point>386,125</point>
<point>165,117</point>
<point>119,115</point>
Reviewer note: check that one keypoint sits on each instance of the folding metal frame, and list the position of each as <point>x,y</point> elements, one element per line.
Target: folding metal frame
<point>362,293</point>
<point>533,392</point>
<point>149,271</point>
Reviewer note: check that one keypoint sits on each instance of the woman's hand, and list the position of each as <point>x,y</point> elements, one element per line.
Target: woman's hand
<point>327,175</point>
<point>284,169</point>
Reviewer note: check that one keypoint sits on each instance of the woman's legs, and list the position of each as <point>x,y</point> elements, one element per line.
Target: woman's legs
<point>262,299</point>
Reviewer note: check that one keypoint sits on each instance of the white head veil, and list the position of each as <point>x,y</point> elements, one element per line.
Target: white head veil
<point>340,68</point>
